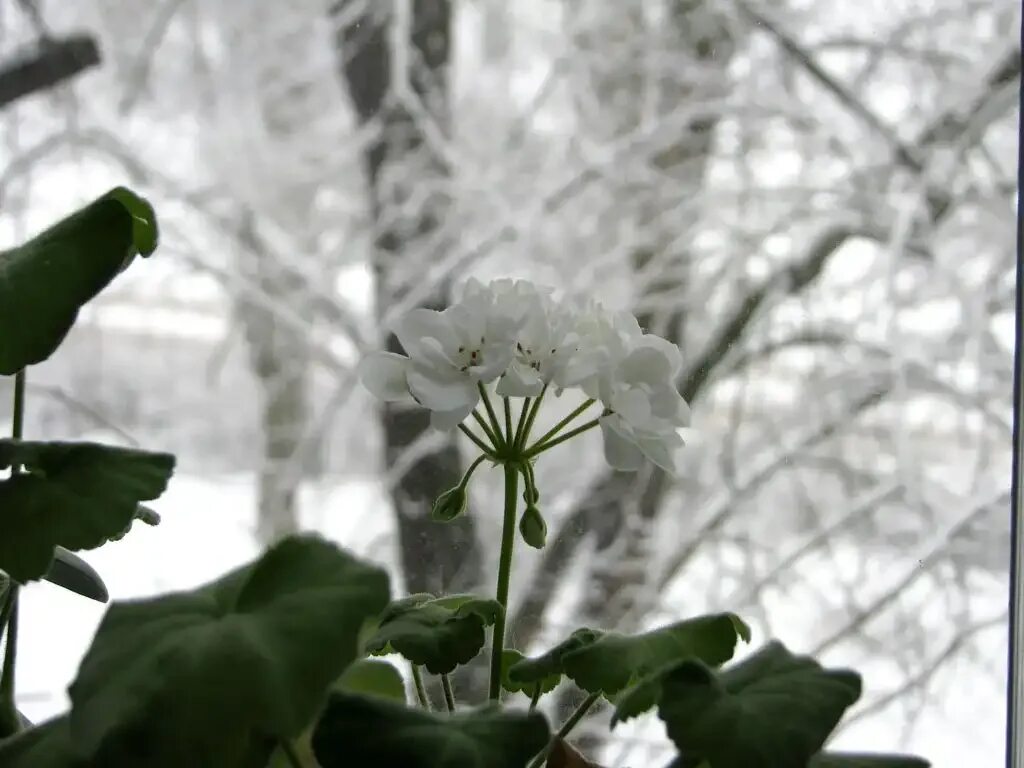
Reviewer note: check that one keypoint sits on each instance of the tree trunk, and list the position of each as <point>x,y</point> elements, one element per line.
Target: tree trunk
<point>280,360</point>
<point>435,558</point>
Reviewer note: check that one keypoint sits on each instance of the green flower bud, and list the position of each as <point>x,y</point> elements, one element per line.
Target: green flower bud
<point>532,527</point>
<point>450,505</point>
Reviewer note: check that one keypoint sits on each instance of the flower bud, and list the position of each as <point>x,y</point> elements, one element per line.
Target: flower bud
<point>532,527</point>
<point>449,505</point>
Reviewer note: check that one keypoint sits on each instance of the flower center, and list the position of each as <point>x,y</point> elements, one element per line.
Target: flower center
<point>469,356</point>
<point>527,356</point>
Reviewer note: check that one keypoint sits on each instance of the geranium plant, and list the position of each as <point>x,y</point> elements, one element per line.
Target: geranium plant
<point>273,664</point>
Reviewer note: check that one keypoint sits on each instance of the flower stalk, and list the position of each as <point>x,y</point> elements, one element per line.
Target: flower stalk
<point>508,539</point>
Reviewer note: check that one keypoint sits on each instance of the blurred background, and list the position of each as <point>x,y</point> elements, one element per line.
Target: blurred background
<point>813,199</point>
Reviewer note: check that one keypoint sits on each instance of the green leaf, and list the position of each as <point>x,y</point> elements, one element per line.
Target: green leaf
<point>215,676</point>
<point>510,657</point>
<point>532,670</point>
<point>439,633</point>
<point>47,745</point>
<point>73,495</point>
<point>70,571</point>
<point>865,760</point>
<point>44,282</point>
<point>372,677</point>
<point>359,731</point>
<point>610,662</point>
<point>772,709</point>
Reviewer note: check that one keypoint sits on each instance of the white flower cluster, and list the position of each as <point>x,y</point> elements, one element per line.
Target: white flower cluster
<point>516,334</point>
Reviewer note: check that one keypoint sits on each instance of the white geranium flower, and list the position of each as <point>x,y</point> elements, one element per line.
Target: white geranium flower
<point>602,339</point>
<point>543,350</point>
<point>449,353</point>
<point>645,410</point>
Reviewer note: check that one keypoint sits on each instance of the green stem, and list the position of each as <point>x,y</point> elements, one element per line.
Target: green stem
<point>528,480</point>
<point>509,434</point>
<point>9,721</point>
<point>562,424</point>
<point>540,447</point>
<point>566,728</point>
<point>508,538</point>
<point>18,417</point>
<point>449,695</point>
<point>479,443</point>
<point>421,691</point>
<point>495,439</point>
<point>535,697</point>
<point>531,418</point>
<point>500,444</point>
<point>523,412</point>
<point>472,467</point>
<point>290,753</point>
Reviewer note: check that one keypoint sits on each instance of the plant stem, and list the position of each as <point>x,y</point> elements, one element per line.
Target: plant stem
<point>18,417</point>
<point>449,695</point>
<point>500,443</point>
<point>517,441</point>
<point>535,697</point>
<point>509,434</point>
<point>495,439</point>
<point>479,443</point>
<point>566,728</point>
<point>562,424</point>
<point>290,753</point>
<point>9,721</point>
<point>530,419</point>
<point>508,539</point>
<point>529,481</point>
<point>540,447</point>
<point>421,692</point>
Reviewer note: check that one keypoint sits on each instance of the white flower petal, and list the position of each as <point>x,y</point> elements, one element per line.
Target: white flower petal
<point>422,324</point>
<point>620,452</point>
<point>665,349</point>
<point>646,365</point>
<point>633,406</point>
<point>449,420</point>
<point>441,394</point>
<point>661,451</point>
<point>519,381</point>
<point>384,375</point>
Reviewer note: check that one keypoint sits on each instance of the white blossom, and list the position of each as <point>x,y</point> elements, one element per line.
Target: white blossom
<point>518,336</point>
<point>449,353</point>
<point>544,349</point>
<point>644,410</point>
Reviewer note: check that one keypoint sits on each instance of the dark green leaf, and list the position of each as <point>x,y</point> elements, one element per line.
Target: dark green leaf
<point>74,495</point>
<point>509,657</point>
<point>610,662</point>
<point>47,745</point>
<point>865,760</point>
<point>215,676</point>
<point>70,571</point>
<point>439,634</point>
<point>772,710</point>
<point>359,731</point>
<point>44,282</point>
<point>532,670</point>
<point>372,677</point>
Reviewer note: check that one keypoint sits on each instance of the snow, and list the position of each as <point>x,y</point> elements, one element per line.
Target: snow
<point>207,530</point>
